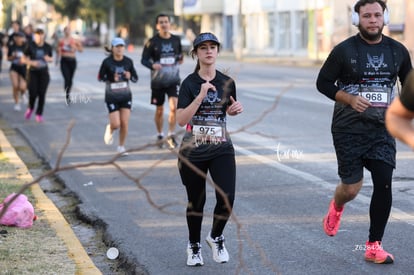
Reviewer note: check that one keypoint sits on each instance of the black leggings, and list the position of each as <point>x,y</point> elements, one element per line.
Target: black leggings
<point>223,172</point>
<point>68,67</point>
<point>381,200</point>
<point>38,83</point>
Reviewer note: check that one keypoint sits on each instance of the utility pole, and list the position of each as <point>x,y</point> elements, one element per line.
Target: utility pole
<point>111,31</point>
<point>316,31</point>
<point>238,49</point>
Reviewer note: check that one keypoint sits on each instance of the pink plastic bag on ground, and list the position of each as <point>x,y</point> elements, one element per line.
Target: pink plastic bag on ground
<point>20,213</point>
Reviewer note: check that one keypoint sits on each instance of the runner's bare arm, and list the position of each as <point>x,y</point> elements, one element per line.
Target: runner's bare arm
<point>398,121</point>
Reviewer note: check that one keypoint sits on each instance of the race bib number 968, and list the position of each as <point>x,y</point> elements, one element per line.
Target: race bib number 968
<point>378,96</point>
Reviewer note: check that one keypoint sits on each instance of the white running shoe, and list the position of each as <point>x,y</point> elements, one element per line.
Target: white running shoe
<point>194,257</point>
<point>24,99</point>
<point>108,135</point>
<point>121,150</point>
<point>17,107</point>
<point>220,254</point>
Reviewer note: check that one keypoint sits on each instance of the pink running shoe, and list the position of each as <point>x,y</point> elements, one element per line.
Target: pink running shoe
<point>39,118</point>
<point>28,113</point>
<point>376,254</point>
<point>332,220</point>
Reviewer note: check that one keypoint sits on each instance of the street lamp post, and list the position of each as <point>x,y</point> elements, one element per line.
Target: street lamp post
<point>111,31</point>
<point>239,34</point>
<point>316,31</point>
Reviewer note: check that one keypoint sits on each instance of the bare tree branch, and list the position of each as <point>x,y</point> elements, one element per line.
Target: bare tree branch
<point>163,207</point>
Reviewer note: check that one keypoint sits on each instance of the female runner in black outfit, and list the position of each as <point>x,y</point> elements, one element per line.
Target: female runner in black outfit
<point>205,97</point>
<point>117,70</point>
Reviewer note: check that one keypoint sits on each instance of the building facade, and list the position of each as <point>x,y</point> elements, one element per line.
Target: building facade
<point>298,28</point>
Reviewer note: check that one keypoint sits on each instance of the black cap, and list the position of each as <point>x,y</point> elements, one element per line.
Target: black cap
<point>39,31</point>
<point>203,37</point>
<point>20,34</point>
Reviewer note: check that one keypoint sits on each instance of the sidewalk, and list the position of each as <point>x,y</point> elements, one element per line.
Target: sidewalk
<point>45,207</point>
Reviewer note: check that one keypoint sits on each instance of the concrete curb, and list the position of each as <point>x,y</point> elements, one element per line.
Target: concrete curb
<point>76,251</point>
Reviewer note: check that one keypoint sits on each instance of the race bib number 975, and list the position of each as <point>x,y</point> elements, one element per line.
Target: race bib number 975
<point>213,131</point>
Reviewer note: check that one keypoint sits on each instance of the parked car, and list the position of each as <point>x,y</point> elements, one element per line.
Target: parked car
<point>186,44</point>
<point>91,40</point>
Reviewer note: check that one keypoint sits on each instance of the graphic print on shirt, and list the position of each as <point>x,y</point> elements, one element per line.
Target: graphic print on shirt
<point>212,96</point>
<point>117,87</point>
<point>40,57</point>
<point>377,82</point>
<point>18,53</point>
<point>121,86</point>
<point>167,48</point>
<point>376,62</point>
<point>209,123</point>
<point>119,70</point>
<point>167,56</point>
<point>169,74</point>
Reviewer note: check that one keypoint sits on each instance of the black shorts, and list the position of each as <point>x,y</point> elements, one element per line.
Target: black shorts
<point>158,95</point>
<point>21,70</point>
<point>117,105</point>
<point>352,151</point>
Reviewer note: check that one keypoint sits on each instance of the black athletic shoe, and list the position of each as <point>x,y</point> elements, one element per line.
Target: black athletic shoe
<point>160,142</point>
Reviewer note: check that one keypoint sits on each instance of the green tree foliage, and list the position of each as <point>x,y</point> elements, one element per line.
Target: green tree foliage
<point>94,11</point>
<point>7,10</point>
<point>136,14</point>
<point>70,8</point>
<point>132,14</point>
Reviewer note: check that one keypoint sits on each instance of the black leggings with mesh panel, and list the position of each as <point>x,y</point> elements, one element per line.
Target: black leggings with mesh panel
<point>223,172</point>
<point>381,200</point>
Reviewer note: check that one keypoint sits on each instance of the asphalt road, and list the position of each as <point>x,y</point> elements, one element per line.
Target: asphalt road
<point>286,177</point>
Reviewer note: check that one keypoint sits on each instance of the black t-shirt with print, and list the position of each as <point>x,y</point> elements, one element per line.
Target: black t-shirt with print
<point>17,52</point>
<point>38,53</point>
<point>210,118</point>
<point>369,70</point>
<point>117,91</point>
<point>166,52</point>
